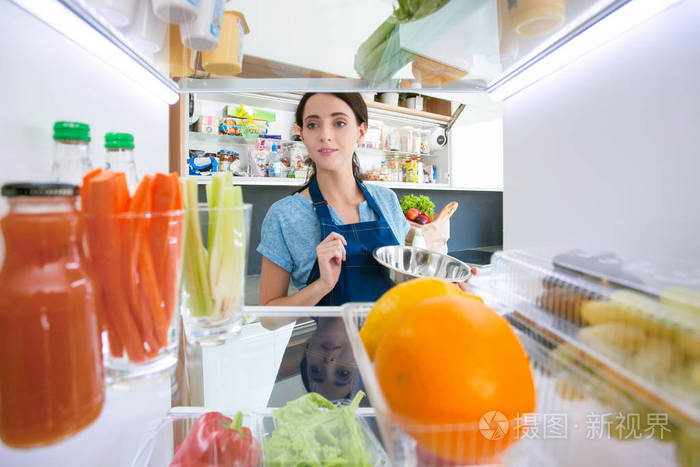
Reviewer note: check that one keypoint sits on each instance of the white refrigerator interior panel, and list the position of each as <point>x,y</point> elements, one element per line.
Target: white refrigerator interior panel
<point>47,77</point>
<point>604,153</point>
<point>477,149</point>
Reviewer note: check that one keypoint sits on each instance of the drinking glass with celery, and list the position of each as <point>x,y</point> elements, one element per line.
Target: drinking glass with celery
<point>214,259</point>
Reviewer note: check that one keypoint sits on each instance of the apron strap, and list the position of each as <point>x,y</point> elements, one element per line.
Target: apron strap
<point>320,204</point>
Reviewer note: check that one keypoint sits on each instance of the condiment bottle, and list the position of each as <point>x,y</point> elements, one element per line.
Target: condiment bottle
<point>120,157</point>
<point>71,152</point>
<point>51,377</point>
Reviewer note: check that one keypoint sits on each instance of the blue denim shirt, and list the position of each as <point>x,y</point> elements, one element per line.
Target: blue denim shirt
<point>290,231</point>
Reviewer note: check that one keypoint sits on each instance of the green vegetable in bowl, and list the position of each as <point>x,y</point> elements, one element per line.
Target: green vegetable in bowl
<point>422,203</point>
<point>313,431</point>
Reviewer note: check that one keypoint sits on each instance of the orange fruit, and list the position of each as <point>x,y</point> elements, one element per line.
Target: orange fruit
<point>397,300</point>
<point>456,378</point>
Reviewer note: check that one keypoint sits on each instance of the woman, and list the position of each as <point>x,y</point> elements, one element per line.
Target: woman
<point>322,237</point>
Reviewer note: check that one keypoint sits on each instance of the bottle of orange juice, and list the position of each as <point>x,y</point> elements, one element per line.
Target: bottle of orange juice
<point>51,380</point>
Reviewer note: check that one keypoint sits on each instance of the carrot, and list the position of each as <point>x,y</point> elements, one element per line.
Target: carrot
<point>105,194</point>
<point>164,228</point>
<point>116,348</point>
<point>99,301</point>
<point>178,191</point>
<point>89,176</point>
<point>151,297</point>
<point>175,248</point>
<point>135,232</point>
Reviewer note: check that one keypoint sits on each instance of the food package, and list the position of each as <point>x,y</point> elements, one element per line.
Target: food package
<point>435,233</point>
<point>208,124</point>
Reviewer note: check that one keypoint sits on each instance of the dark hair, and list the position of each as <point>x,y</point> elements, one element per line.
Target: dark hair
<point>359,108</point>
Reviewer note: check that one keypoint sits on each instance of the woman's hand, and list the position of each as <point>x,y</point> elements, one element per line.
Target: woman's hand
<point>331,254</point>
<point>463,285</point>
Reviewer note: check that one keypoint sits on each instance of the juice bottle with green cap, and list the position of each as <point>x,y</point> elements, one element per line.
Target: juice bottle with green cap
<point>71,152</point>
<point>120,157</point>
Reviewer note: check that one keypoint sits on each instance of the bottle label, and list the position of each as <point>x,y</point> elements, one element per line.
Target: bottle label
<point>215,26</point>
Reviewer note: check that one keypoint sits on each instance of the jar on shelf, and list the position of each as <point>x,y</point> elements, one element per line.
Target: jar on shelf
<point>373,135</point>
<point>419,169</point>
<point>50,355</point>
<point>425,142</point>
<point>390,167</point>
<point>416,137</point>
<point>393,139</point>
<point>405,138</point>
<point>384,174</point>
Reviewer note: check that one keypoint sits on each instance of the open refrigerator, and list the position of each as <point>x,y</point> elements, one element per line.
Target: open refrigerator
<point>622,391</point>
<point>612,346</point>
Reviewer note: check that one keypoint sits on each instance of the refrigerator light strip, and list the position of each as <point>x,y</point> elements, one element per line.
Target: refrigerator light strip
<point>615,24</point>
<point>70,25</point>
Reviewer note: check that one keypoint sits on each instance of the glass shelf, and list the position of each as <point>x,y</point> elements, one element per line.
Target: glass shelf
<point>283,181</point>
<point>384,152</point>
<point>363,45</point>
<point>200,137</point>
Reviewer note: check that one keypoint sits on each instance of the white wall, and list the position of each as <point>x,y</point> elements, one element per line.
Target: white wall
<point>477,152</point>
<point>45,77</point>
<point>605,153</point>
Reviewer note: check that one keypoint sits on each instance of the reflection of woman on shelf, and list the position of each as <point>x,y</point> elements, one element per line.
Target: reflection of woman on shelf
<point>328,366</point>
<point>322,237</point>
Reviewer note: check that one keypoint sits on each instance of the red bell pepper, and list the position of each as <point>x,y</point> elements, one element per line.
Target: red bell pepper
<point>217,440</point>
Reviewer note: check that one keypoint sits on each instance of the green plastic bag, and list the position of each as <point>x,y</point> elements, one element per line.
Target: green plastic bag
<point>380,56</point>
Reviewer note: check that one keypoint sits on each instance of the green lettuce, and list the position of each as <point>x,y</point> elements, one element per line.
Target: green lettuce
<point>311,431</point>
<point>422,203</point>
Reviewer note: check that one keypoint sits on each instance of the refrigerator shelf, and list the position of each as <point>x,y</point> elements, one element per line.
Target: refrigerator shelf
<point>164,435</point>
<point>637,322</point>
<point>585,415</point>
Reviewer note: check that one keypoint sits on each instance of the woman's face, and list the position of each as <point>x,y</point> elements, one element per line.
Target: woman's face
<point>331,367</point>
<point>330,132</point>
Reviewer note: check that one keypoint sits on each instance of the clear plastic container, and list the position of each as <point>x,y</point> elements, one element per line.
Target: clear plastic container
<point>118,13</point>
<point>203,32</point>
<point>425,142</point>
<point>373,136</point>
<point>574,424</point>
<point>147,32</point>
<point>227,58</point>
<point>406,139</point>
<point>635,323</point>
<point>176,11</point>
<point>416,136</point>
<point>165,434</point>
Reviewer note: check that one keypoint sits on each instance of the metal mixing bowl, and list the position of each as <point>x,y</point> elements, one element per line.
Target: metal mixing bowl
<point>402,263</point>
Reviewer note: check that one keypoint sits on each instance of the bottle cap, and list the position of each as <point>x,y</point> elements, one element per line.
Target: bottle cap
<point>119,141</point>
<point>74,131</point>
<point>46,190</point>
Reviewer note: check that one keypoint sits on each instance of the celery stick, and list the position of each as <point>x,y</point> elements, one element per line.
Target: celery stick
<point>195,274</point>
<point>221,259</point>
<point>214,198</point>
<point>239,244</point>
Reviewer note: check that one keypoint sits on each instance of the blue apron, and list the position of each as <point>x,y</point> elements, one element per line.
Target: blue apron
<point>361,278</point>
